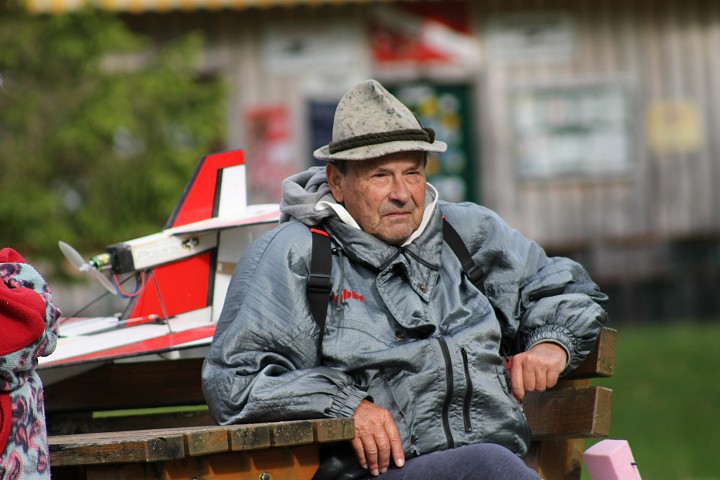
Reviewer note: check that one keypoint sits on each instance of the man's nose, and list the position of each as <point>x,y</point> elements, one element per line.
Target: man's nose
<point>400,190</point>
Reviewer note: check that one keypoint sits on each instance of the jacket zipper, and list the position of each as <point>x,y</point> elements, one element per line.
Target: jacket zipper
<point>468,392</point>
<point>448,397</point>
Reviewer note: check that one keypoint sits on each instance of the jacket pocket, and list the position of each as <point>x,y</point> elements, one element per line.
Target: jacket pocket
<point>467,401</point>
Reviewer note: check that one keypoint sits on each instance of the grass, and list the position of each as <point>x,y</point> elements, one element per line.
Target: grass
<point>666,399</point>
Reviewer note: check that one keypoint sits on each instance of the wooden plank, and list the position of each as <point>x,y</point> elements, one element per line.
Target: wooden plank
<point>334,430</point>
<point>276,434</point>
<point>85,422</point>
<point>580,412</point>
<point>561,459</point>
<point>283,434</point>
<point>204,441</point>
<point>601,362</point>
<point>197,447</point>
<point>296,463</point>
<point>129,385</point>
<point>116,447</point>
<point>292,463</point>
<point>249,437</point>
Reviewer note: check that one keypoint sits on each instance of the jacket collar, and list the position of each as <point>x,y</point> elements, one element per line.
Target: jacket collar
<point>431,200</point>
<point>424,245</point>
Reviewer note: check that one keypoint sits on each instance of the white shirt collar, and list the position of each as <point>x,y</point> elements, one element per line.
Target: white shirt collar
<point>349,220</point>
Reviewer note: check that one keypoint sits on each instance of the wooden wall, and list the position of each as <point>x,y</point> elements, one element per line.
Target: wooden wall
<point>627,226</point>
<point>661,50</point>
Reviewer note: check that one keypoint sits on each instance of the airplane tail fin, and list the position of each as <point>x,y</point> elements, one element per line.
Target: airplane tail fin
<point>216,188</point>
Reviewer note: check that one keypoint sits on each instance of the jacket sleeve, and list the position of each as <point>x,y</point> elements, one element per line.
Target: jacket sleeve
<point>262,364</point>
<point>537,298</point>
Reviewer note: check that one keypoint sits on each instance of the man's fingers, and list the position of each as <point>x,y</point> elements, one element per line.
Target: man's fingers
<point>396,449</point>
<point>552,378</point>
<point>537,369</point>
<point>516,379</point>
<point>383,453</point>
<point>359,452</point>
<point>377,439</point>
<point>366,450</point>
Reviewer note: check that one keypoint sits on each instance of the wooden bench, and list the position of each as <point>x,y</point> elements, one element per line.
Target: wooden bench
<point>188,445</point>
<point>562,418</point>
<point>268,451</point>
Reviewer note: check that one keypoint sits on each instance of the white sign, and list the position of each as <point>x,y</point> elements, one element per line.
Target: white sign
<point>299,48</point>
<point>531,36</point>
<point>582,129</point>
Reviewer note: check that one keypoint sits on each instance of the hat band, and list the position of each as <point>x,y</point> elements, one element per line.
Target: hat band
<point>411,134</point>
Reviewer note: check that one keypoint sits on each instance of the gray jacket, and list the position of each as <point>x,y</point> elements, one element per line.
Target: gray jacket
<point>405,327</point>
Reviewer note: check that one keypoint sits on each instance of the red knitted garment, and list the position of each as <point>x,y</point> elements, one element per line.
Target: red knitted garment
<point>22,321</point>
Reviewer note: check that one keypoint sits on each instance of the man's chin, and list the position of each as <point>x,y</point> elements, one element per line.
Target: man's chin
<point>395,236</point>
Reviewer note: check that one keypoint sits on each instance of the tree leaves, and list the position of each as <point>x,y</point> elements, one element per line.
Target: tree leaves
<point>99,130</point>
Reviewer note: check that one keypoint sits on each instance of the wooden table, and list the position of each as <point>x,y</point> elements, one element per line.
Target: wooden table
<point>266,451</point>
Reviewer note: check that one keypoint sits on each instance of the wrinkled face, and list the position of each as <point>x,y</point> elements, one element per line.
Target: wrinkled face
<point>385,195</point>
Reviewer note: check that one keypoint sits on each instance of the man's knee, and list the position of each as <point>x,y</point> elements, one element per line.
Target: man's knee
<point>495,461</point>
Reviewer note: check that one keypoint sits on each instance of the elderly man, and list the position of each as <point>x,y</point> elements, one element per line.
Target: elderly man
<point>416,335</point>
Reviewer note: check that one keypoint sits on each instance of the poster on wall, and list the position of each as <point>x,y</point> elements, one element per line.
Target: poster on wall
<point>446,109</point>
<point>423,32</point>
<point>322,114</point>
<point>269,154</point>
<point>575,129</point>
<point>673,127</point>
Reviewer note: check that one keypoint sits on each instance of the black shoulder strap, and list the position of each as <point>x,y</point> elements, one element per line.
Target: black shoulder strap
<point>319,282</point>
<point>474,273</point>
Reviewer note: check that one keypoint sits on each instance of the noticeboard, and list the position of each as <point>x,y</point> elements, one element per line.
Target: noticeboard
<point>446,108</point>
<point>575,129</point>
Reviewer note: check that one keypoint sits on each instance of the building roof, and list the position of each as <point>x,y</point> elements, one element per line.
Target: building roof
<point>140,6</point>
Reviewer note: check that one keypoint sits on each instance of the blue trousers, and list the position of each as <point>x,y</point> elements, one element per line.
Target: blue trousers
<point>482,461</point>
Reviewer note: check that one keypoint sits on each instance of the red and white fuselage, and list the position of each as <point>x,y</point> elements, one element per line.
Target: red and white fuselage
<point>182,276</point>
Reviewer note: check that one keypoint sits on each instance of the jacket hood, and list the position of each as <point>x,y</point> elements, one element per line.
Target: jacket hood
<point>301,193</point>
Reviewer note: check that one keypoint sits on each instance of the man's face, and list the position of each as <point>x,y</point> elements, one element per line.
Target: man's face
<point>385,195</point>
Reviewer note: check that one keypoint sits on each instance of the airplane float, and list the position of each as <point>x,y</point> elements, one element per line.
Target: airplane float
<point>180,276</point>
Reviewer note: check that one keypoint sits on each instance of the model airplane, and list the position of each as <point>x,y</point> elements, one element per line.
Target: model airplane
<point>180,276</point>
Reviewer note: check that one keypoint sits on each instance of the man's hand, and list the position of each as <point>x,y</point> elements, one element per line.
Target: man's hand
<point>376,438</point>
<point>537,369</point>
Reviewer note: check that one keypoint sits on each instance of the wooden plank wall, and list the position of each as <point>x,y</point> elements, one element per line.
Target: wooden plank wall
<point>663,50</point>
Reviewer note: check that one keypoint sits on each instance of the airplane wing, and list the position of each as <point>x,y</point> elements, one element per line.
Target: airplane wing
<point>253,214</point>
<point>107,338</point>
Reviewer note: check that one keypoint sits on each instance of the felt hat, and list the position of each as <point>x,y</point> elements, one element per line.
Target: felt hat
<point>370,122</point>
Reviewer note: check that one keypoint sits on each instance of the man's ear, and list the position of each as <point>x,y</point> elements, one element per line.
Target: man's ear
<point>334,177</point>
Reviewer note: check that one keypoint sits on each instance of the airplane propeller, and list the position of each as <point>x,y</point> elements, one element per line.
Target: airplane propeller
<point>93,267</point>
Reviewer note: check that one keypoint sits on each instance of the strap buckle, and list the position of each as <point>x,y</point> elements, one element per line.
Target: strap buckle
<point>319,283</point>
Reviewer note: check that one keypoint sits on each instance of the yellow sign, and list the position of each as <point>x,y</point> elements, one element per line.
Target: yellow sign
<point>673,126</point>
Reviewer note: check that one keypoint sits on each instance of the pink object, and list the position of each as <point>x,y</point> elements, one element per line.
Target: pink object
<point>611,460</point>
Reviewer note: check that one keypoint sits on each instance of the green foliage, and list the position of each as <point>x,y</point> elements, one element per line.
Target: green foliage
<point>665,399</point>
<point>99,130</point>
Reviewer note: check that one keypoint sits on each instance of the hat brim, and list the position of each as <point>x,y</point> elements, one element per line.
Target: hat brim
<point>380,150</point>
